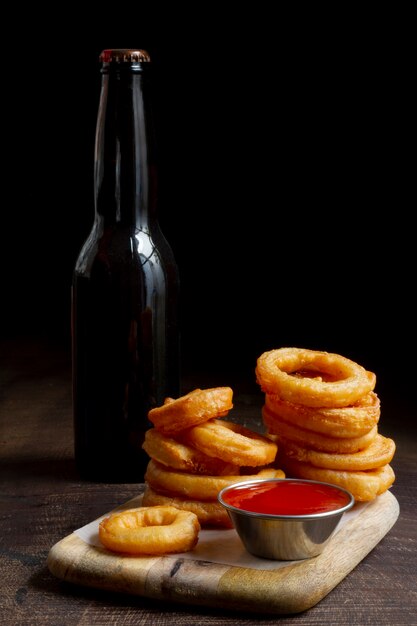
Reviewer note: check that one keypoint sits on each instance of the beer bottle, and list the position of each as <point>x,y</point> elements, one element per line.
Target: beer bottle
<point>125,339</point>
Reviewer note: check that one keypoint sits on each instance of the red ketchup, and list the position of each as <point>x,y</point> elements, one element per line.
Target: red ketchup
<point>286,498</point>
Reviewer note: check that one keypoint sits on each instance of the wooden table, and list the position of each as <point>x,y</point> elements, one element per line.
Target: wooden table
<point>42,501</point>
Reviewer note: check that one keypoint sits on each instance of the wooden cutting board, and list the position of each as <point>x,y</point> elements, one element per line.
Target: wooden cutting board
<point>291,589</point>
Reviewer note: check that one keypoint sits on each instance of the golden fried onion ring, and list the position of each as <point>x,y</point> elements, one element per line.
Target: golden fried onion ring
<point>378,453</point>
<point>180,456</point>
<point>351,421</point>
<point>193,486</point>
<point>363,485</point>
<point>276,372</point>
<point>208,513</point>
<point>194,408</point>
<point>151,530</point>
<point>232,443</point>
<point>317,441</point>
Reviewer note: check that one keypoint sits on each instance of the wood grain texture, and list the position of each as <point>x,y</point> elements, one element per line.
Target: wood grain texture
<point>42,500</point>
<point>290,590</point>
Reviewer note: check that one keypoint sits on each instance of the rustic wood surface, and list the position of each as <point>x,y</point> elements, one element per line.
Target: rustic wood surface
<point>42,501</point>
<point>293,589</point>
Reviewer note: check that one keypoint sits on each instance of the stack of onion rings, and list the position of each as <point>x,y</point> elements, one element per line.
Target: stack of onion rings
<point>322,411</point>
<point>194,454</point>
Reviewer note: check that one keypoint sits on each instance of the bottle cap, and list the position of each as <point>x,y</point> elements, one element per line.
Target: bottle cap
<point>124,56</point>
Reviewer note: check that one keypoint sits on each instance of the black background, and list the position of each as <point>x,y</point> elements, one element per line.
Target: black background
<point>285,178</point>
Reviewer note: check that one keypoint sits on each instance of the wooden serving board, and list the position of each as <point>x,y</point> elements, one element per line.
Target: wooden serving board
<point>290,589</point>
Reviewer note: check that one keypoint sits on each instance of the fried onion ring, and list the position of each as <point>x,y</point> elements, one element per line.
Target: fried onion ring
<point>194,408</point>
<point>150,530</point>
<point>316,441</point>
<point>378,453</point>
<point>180,456</point>
<point>363,485</point>
<point>232,443</point>
<point>276,372</point>
<point>208,513</point>
<point>193,486</point>
<point>351,421</point>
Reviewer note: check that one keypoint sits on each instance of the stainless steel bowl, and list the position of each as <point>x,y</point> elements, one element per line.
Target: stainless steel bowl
<point>284,537</point>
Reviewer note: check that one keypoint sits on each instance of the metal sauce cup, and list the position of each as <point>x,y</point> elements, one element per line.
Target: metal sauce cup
<point>284,537</point>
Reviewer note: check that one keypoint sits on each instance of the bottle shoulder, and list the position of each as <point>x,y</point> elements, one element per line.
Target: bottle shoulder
<point>117,245</point>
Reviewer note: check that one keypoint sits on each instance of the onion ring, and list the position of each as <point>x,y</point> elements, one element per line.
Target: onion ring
<point>276,372</point>
<point>193,486</point>
<point>363,485</point>
<point>351,421</point>
<point>151,530</point>
<point>194,408</point>
<point>232,443</point>
<point>378,453</point>
<point>208,513</point>
<point>316,441</point>
<point>180,456</point>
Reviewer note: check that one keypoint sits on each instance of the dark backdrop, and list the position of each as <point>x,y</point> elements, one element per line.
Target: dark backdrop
<point>284,180</point>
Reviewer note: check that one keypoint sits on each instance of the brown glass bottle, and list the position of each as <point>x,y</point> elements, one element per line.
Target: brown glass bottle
<point>125,286</point>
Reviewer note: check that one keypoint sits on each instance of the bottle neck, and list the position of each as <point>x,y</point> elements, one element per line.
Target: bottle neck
<point>125,172</point>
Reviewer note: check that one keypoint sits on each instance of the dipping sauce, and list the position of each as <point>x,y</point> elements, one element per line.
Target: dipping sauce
<point>286,498</point>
